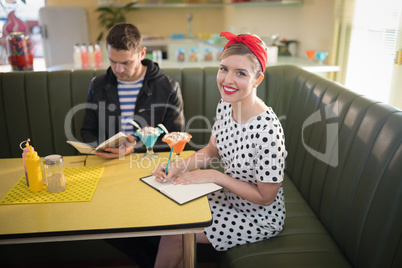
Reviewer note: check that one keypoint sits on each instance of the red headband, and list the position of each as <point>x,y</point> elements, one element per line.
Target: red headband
<point>252,43</point>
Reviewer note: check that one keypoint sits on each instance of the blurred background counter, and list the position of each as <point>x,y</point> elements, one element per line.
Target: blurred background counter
<point>311,66</point>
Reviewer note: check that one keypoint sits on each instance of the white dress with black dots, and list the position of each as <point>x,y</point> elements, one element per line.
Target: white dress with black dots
<point>250,152</point>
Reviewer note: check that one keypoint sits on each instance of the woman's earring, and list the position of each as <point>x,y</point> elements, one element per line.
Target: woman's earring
<point>259,80</point>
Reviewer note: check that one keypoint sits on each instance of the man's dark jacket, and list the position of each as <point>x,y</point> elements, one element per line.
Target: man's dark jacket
<point>158,101</point>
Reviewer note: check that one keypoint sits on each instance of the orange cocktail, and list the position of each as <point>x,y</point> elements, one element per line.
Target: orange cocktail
<point>177,141</point>
<point>310,54</point>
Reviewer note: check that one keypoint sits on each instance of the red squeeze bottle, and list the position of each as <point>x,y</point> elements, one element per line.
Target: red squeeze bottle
<point>84,57</point>
<point>98,56</point>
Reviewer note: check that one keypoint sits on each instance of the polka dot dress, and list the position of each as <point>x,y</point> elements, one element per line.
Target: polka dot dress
<point>250,152</point>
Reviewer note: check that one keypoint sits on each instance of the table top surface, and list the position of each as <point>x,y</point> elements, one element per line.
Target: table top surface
<point>121,204</point>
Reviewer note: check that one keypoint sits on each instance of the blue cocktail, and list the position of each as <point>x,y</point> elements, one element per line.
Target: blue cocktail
<point>149,136</point>
<point>321,55</point>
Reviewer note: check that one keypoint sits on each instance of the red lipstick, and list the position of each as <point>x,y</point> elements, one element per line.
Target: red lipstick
<point>229,90</point>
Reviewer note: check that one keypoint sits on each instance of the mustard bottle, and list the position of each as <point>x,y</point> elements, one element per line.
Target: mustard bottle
<point>34,171</point>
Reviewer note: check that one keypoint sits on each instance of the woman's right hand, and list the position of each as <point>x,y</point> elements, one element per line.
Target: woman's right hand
<point>174,170</point>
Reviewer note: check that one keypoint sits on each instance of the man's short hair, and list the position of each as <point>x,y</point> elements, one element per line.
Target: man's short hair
<point>124,36</point>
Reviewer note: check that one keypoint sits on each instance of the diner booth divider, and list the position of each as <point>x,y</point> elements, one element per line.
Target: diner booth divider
<point>35,105</point>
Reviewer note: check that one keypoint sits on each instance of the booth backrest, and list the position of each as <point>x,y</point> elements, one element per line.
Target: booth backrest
<point>44,106</point>
<point>345,157</point>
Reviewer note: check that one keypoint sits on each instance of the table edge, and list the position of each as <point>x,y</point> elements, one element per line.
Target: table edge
<point>106,232</point>
<point>117,232</point>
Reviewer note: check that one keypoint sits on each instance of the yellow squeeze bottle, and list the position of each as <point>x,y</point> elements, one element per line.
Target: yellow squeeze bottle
<point>34,171</point>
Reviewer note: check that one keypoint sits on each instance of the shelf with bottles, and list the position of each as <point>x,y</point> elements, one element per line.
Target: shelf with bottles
<point>213,3</point>
<point>87,56</point>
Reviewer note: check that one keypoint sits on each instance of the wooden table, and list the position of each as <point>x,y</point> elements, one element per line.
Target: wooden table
<point>122,206</point>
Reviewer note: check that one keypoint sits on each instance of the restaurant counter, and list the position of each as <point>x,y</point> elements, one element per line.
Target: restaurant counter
<point>311,66</point>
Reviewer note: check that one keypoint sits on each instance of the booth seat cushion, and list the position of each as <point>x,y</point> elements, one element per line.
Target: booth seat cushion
<point>303,242</point>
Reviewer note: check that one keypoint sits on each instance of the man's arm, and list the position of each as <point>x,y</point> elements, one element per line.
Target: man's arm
<point>174,116</point>
<point>174,119</point>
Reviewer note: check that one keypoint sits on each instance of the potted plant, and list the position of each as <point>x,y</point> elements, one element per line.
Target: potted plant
<point>111,15</point>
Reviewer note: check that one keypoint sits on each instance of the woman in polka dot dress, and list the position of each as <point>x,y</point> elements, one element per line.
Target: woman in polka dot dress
<point>248,138</point>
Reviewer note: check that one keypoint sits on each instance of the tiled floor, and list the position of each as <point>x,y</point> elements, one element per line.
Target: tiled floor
<point>129,265</point>
<point>84,254</point>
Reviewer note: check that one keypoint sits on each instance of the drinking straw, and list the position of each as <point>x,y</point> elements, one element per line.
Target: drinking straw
<point>167,165</point>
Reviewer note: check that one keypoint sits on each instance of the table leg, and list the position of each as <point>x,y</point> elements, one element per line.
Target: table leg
<point>189,248</point>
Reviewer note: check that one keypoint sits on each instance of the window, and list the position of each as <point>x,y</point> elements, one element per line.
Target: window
<point>370,47</point>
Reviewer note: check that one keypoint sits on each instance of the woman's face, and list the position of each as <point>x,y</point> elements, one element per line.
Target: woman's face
<point>236,79</point>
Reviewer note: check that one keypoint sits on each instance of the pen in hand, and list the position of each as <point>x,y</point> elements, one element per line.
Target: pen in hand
<point>167,165</point>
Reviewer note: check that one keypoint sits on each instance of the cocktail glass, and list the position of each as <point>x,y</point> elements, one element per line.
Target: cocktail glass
<point>178,141</point>
<point>149,136</point>
<point>310,54</point>
<point>321,55</point>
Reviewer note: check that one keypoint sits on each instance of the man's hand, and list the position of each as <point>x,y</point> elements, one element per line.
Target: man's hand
<point>124,149</point>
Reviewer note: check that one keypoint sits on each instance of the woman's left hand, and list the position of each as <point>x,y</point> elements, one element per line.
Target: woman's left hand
<point>197,176</point>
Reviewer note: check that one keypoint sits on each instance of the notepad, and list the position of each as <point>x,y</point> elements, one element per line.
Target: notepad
<point>112,142</point>
<point>179,193</point>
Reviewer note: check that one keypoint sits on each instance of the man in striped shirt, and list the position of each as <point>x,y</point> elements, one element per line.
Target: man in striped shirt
<point>128,92</point>
<point>132,88</point>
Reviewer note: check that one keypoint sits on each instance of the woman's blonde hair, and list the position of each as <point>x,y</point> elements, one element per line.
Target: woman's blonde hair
<point>242,49</point>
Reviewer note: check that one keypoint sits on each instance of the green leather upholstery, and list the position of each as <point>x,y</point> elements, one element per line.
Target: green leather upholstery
<point>343,195</point>
<point>34,105</point>
<point>359,200</point>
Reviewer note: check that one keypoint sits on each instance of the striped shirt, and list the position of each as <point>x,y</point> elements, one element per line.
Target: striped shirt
<point>128,92</point>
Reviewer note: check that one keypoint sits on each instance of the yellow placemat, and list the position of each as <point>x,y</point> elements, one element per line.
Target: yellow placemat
<point>81,184</point>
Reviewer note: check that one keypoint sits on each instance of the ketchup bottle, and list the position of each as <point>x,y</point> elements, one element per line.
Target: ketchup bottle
<point>84,56</point>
